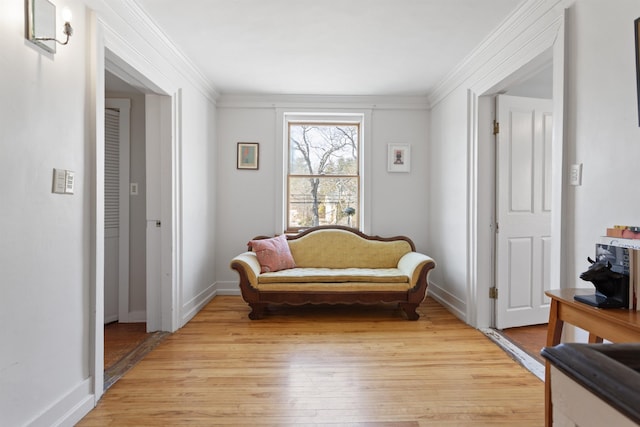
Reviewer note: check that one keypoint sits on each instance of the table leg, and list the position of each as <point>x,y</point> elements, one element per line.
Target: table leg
<point>594,339</point>
<point>554,333</point>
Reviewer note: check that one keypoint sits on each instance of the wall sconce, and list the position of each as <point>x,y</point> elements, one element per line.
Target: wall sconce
<point>41,24</point>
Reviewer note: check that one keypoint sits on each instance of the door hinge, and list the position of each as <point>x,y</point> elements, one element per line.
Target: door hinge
<point>496,127</point>
<point>493,292</point>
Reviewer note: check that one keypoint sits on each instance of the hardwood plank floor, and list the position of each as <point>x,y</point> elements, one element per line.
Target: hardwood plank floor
<point>328,365</point>
<point>530,339</point>
<point>120,339</point>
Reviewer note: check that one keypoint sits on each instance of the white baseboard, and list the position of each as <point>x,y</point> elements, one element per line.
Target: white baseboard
<point>192,307</point>
<point>139,316</point>
<point>70,409</point>
<point>452,303</point>
<point>111,319</point>
<point>227,288</point>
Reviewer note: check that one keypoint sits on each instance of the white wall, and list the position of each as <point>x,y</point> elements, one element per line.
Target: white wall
<point>603,122</point>
<point>447,193</point>
<point>247,199</point>
<point>602,127</point>
<point>398,202</point>
<point>198,205</point>
<point>44,237</point>
<point>46,285</point>
<point>46,362</point>
<point>601,132</point>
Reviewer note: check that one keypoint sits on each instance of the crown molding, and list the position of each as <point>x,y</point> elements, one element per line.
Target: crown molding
<point>130,28</point>
<point>521,28</point>
<point>323,101</point>
<point>189,69</point>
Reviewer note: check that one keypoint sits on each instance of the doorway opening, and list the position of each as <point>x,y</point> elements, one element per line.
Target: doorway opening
<point>138,263</point>
<point>530,339</point>
<point>125,328</point>
<point>521,180</point>
<point>125,344</point>
<point>546,57</point>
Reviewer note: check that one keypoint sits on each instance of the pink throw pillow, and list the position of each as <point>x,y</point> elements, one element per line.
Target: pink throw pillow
<point>273,254</point>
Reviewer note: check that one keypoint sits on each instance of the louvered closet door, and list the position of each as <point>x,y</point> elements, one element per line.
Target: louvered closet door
<point>111,214</point>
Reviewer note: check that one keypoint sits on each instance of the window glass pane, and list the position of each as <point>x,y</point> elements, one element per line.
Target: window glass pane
<point>323,149</point>
<point>323,201</point>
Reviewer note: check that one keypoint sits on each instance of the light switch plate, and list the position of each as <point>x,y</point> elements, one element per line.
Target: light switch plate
<point>59,181</point>
<point>575,174</point>
<point>63,181</point>
<point>70,179</point>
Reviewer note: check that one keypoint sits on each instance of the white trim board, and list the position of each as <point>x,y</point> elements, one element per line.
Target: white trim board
<point>523,26</point>
<point>310,102</point>
<point>128,27</point>
<point>452,303</point>
<point>531,364</point>
<point>69,409</point>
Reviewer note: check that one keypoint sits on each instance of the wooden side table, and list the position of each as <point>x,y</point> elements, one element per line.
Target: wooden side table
<point>616,325</point>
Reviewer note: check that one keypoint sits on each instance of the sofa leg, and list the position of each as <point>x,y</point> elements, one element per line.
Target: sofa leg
<point>410,310</point>
<point>257,311</point>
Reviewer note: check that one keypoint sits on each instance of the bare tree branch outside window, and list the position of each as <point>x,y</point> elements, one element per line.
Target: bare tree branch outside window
<point>323,174</point>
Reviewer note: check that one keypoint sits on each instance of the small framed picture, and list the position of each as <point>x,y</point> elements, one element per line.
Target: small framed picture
<point>248,155</point>
<point>399,158</point>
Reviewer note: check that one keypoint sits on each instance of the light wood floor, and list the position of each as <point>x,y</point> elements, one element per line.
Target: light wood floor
<point>323,366</point>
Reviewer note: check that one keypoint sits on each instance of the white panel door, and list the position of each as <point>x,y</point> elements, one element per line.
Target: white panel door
<point>523,210</point>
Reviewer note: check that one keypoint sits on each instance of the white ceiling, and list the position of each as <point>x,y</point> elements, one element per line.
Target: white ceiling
<point>327,47</point>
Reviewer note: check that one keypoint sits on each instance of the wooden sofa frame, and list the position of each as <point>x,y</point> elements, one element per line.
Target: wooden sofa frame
<point>408,300</point>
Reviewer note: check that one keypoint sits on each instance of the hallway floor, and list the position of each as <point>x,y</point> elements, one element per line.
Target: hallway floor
<point>530,339</point>
<point>120,339</point>
<point>125,344</point>
<point>322,365</point>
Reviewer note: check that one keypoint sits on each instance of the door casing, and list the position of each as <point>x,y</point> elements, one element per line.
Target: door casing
<point>548,47</point>
<point>106,53</point>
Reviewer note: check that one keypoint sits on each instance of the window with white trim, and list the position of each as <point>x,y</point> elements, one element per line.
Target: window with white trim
<point>323,174</point>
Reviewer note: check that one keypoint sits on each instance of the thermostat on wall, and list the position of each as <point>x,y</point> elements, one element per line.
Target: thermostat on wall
<point>63,181</point>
